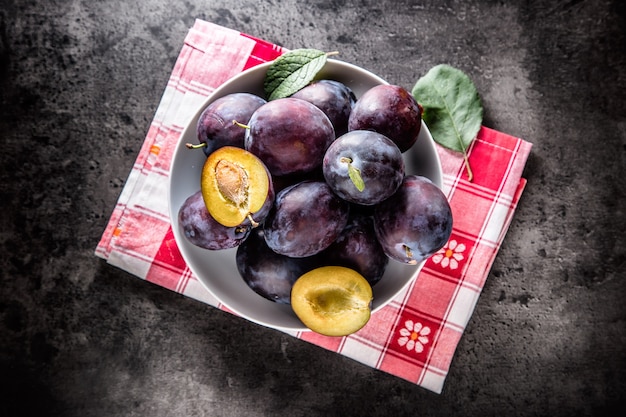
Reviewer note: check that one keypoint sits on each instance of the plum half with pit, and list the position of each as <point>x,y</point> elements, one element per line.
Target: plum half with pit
<point>415,222</point>
<point>201,229</point>
<point>237,187</point>
<point>391,110</point>
<point>289,135</point>
<point>215,127</point>
<point>363,167</point>
<point>266,272</point>
<point>334,98</point>
<point>305,219</point>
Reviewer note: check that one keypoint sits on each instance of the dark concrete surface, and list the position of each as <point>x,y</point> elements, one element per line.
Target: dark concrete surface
<point>79,83</point>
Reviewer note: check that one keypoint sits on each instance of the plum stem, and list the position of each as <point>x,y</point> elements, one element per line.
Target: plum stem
<point>198,146</point>
<point>235,122</point>
<point>409,254</point>
<point>253,222</point>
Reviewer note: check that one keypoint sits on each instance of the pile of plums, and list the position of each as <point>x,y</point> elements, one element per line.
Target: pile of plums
<point>315,184</point>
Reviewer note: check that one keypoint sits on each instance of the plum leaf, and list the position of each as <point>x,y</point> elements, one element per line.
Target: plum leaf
<point>293,71</point>
<point>452,109</point>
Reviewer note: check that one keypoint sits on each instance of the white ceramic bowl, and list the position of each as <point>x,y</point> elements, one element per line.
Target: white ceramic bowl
<point>217,270</point>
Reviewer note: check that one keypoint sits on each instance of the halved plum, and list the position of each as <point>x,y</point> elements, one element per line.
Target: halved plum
<point>332,300</point>
<point>237,187</point>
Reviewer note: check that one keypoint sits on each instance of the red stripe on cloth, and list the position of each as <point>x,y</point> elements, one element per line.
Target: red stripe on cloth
<point>169,254</point>
<point>262,52</point>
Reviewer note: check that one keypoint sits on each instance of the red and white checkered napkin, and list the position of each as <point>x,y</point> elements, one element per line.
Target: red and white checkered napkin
<point>415,336</point>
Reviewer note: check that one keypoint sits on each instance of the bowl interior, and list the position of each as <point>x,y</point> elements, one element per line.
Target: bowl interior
<point>217,270</point>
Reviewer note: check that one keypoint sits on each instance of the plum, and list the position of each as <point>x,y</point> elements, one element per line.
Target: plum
<point>358,248</point>
<point>268,273</point>
<point>334,98</point>
<point>370,156</point>
<point>391,110</point>
<point>305,219</point>
<point>215,127</point>
<point>201,229</point>
<point>415,222</point>
<point>289,135</point>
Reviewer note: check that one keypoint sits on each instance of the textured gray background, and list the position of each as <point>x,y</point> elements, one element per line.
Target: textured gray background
<point>79,83</point>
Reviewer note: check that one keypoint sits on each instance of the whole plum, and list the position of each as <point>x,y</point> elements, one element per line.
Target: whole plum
<point>306,218</point>
<point>215,127</point>
<point>391,110</point>
<point>371,156</point>
<point>289,135</point>
<point>358,248</point>
<point>415,222</point>
<point>266,272</point>
<point>334,98</point>
<point>199,227</point>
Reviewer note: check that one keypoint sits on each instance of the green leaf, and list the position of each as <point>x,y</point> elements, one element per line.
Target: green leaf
<point>452,109</point>
<point>292,71</point>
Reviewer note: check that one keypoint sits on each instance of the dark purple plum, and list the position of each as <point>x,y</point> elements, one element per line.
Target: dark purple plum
<point>289,135</point>
<point>268,273</point>
<point>415,222</point>
<point>358,248</point>
<point>334,98</point>
<point>202,230</point>
<point>215,127</point>
<point>306,218</point>
<point>390,110</point>
<point>370,156</point>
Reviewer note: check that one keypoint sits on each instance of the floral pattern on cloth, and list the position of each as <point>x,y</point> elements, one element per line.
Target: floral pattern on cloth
<point>450,255</point>
<point>414,336</point>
